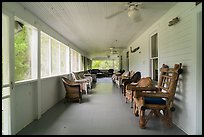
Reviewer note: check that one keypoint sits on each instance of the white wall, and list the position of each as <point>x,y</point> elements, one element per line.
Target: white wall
<point>24,108</point>
<point>125,61</point>
<point>52,91</point>
<point>139,60</point>
<point>176,44</point>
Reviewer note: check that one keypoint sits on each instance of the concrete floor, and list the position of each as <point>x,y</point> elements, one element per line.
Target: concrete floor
<point>102,112</point>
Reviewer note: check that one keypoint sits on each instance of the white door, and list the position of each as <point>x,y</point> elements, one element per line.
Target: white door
<point>7,84</point>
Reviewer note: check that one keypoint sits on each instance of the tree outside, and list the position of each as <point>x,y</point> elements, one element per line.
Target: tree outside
<point>22,57</point>
<point>105,64</point>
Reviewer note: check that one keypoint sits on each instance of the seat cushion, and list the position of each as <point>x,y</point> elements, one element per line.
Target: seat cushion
<point>158,101</point>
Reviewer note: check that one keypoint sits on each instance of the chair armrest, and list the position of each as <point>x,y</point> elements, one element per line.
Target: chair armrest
<point>131,86</point>
<point>74,85</point>
<point>87,74</point>
<point>81,81</point>
<point>149,92</point>
<point>118,74</point>
<point>144,88</point>
<point>123,80</point>
<point>126,77</point>
<point>152,95</point>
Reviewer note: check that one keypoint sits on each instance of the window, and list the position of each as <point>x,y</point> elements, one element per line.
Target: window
<point>79,61</point>
<point>87,63</point>
<point>64,59</point>
<point>54,56</point>
<point>75,61</point>
<point>45,55</point>
<point>154,56</point>
<point>25,41</point>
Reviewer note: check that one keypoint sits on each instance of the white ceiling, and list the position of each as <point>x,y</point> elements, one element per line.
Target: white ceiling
<point>84,23</point>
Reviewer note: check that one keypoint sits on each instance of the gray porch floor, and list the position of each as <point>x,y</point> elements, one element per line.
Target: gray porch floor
<point>102,112</point>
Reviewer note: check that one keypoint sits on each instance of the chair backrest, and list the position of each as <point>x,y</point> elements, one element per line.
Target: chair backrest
<point>95,71</point>
<point>72,89</point>
<point>131,73</point>
<point>168,78</point>
<point>81,75</point>
<point>144,82</point>
<point>66,82</point>
<point>136,77</point>
<point>126,73</point>
<point>110,70</point>
<point>77,76</point>
<point>73,76</point>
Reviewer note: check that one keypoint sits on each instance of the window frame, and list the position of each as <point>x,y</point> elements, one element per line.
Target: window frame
<point>33,58</point>
<point>153,68</point>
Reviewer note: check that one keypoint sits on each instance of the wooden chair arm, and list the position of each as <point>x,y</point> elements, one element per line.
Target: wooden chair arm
<point>153,95</point>
<point>134,88</point>
<point>123,80</point>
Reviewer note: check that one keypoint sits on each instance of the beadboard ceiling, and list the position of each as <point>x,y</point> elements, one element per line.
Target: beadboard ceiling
<point>85,26</point>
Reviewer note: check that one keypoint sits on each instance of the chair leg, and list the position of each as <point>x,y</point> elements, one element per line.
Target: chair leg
<point>157,113</point>
<point>135,109</point>
<point>169,118</point>
<point>131,100</point>
<point>141,108</point>
<point>142,119</point>
<point>131,104</point>
<point>124,91</point>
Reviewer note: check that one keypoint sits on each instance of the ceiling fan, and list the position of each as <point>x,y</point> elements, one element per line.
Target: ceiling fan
<point>133,9</point>
<point>113,50</point>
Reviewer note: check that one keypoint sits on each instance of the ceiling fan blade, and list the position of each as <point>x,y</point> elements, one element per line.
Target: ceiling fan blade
<point>116,13</point>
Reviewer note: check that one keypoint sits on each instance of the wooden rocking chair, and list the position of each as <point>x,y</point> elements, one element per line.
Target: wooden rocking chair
<point>158,99</point>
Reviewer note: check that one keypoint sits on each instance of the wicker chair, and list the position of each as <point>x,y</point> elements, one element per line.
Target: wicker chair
<point>158,99</point>
<point>83,82</point>
<point>73,91</point>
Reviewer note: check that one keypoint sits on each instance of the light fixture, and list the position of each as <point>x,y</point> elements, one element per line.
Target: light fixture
<point>173,21</point>
<point>134,50</point>
<point>134,13</point>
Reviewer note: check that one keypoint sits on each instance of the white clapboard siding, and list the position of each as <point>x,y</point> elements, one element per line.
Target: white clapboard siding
<point>176,44</point>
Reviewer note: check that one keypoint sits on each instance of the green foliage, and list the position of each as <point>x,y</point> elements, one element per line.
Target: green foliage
<point>21,55</point>
<point>105,64</point>
<point>96,64</point>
